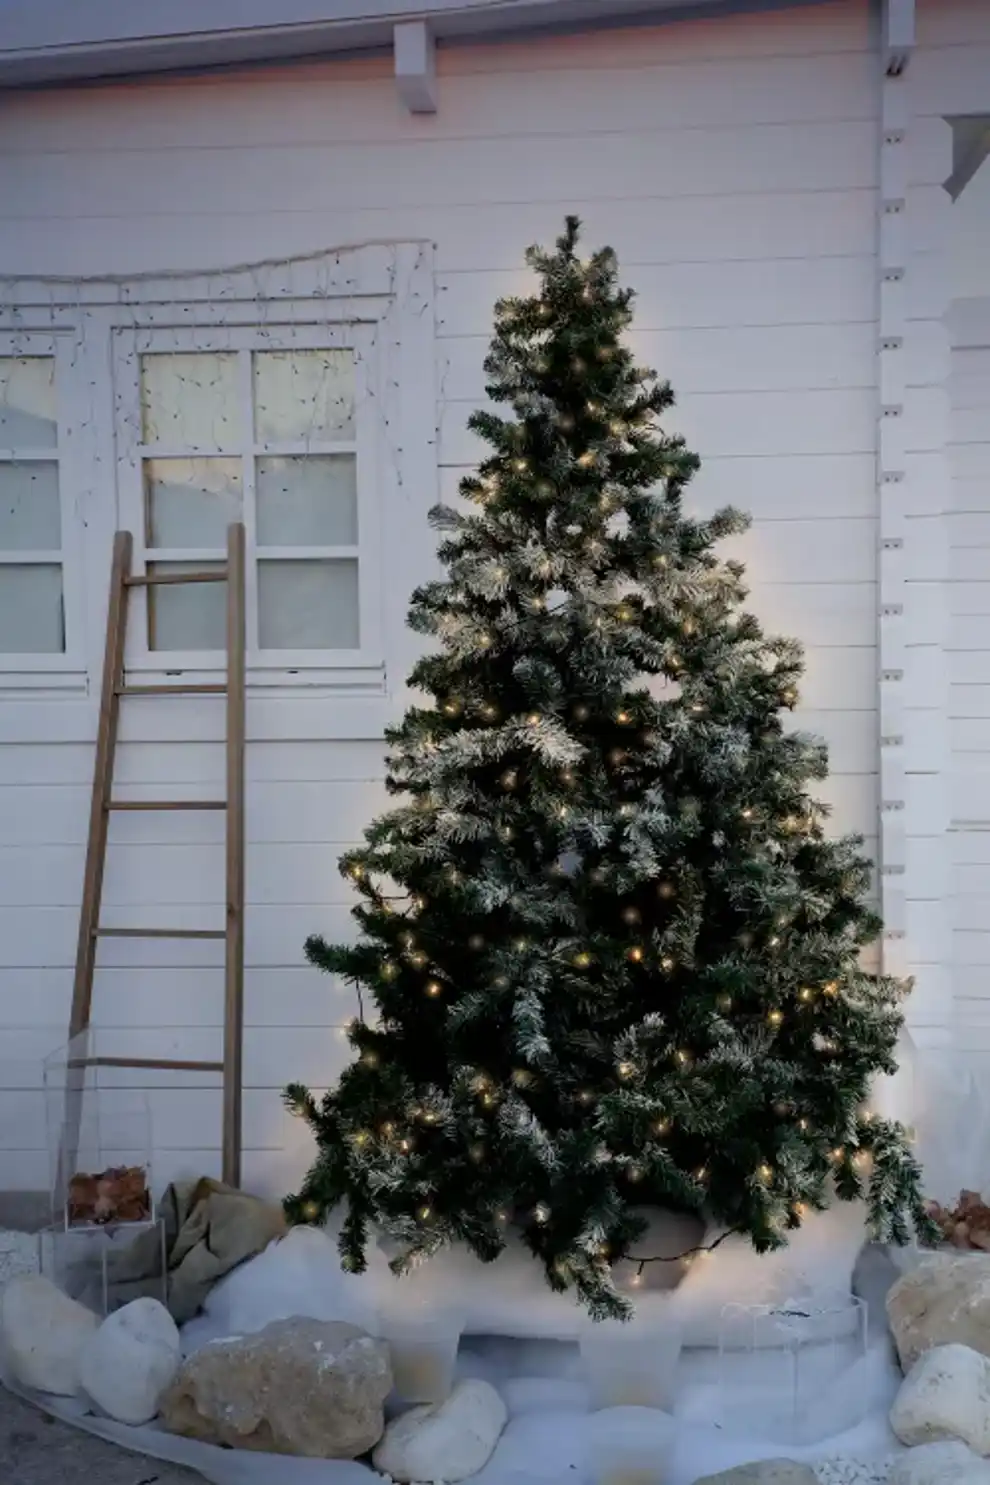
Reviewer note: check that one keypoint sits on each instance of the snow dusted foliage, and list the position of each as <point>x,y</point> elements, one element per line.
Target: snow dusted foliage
<point>614,958</point>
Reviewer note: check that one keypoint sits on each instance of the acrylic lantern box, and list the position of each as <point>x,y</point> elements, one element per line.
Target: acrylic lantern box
<point>423,1339</point>
<point>105,1244</point>
<point>793,1371</point>
<point>633,1363</point>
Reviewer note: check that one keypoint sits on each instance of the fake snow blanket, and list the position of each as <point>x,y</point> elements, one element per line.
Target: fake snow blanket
<point>546,1439</point>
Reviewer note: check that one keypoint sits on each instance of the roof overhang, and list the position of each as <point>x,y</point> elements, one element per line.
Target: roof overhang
<point>62,41</point>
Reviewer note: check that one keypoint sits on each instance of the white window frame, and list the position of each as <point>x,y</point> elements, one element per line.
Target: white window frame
<point>383,291</point>
<point>33,669</point>
<point>363,666</point>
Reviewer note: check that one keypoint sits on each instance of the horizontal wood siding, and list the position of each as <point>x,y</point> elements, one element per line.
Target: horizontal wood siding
<point>731,163</point>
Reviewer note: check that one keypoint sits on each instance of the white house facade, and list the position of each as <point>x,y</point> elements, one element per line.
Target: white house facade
<point>248,274</point>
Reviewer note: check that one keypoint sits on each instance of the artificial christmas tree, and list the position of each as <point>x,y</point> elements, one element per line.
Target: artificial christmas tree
<point>615,960</point>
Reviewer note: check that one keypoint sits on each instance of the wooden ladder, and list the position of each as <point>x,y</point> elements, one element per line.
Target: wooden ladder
<point>104,804</point>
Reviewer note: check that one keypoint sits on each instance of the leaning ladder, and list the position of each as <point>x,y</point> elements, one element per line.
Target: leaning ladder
<point>104,804</point>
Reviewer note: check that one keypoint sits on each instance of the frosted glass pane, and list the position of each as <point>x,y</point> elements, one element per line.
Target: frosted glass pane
<point>32,621</point>
<point>191,400</point>
<point>309,500</point>
<point>29,510</point>
<point>303,394</point>
<point>308,605</point>
<point>27,402</point>
<point>191,502</point>
<point>189,616</point>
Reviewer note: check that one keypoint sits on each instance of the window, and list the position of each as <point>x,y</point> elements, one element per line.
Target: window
<point>264,428</point>
<point>32,609</point>
<point>297,396</point>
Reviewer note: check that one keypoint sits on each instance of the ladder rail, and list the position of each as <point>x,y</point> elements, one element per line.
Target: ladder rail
<point>103,805</point>
<point>99,819</point>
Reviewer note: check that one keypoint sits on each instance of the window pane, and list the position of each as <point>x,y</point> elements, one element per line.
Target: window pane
<point>307,500</point>
<point>191,400</point>
<point>27,402</point>
<point>303,394</point>
<point>189,616</point>
<point>29,510</point>
<point>32,621</point>
<point>308,605</point>
<point>191,502</point>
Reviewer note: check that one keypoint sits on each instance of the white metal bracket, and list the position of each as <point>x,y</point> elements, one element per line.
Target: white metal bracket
<point>416,66</point>
<point>898,35</point>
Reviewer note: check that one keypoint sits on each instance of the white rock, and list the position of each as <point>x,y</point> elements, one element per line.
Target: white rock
<point>128,1363</point>
<point>945,1298</point>
<point>446,1441</point>
<point>948,1463</point>
<point>42,1333</point>
<point>945,1395</point>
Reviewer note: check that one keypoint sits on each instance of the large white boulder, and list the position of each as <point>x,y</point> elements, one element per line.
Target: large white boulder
<point>946,1395</point>
<point>445,1441</point>
<point>944,1298</point>
<point>42,1333</point>
<point>948,1463</point>
<point>309,1387</point>
<point>128,1363</point>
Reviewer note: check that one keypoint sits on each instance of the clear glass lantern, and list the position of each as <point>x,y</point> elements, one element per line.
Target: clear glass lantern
<point>633,1363</point>
<point>793,1371</point>
<point>99,1138</point>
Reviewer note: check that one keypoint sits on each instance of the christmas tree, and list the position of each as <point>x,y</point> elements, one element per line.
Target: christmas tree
<point>615,960</point>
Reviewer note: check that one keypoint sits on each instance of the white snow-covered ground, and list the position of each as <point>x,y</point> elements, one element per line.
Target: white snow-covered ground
<point>727,1411</point>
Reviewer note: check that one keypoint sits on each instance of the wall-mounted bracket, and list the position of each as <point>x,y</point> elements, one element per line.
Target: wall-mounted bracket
<point>416,66</point>
<point>898,35</point>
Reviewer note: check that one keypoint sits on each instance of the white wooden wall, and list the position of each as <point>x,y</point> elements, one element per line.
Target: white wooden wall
<point>733,166</point>
<point>969,606</point>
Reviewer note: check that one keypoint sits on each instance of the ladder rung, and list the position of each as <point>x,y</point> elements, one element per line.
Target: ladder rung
<point>166,804</point>
<point>198,688</point>
<point>166,1064</point>
<point>159,933</point>
<point>168,579</point>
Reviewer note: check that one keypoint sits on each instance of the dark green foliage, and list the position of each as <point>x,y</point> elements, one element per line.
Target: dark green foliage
<point>614,958</point>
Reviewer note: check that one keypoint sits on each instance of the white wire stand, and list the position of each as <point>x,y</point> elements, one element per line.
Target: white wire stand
<point>792,1371</point>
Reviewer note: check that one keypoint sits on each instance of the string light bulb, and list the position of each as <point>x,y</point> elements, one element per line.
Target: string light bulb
<point>582,959</point>
<point>434,989</point>
<point>775,1018</point>
<point>626,1069</point>
<point>635,954</point>
<point>541,1212</point>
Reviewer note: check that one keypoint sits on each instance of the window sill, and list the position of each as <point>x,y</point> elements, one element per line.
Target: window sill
<point>363,679</point>
<point>34,678</point>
